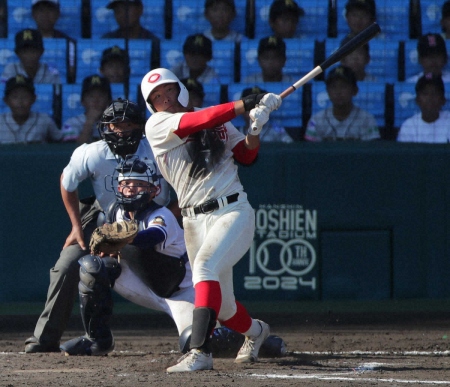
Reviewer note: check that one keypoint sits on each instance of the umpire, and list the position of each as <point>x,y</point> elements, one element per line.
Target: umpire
<point>89,161</point>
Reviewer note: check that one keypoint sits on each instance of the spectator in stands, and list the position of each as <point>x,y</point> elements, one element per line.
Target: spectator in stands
<point>358,61</point>
<point>220,14</point>
<point>432,57</point>
<point>272,131</point>
<point>46,13</point>
<point>343,120</point>
<point>20,124</point>
<point>196,92</point>
<point>431,124</point>
<point>128,15</point>
<point>284,16</point>
<point>445,20</point>
<point>29,47</point>
<point>359,14</point>
<point>95,98</point>
<point>271,60</point>
<point>115,65</point>
<point>197,52</point>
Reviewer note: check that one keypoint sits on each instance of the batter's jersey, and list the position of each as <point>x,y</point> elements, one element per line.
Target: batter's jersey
<point>45,73</point>
<point>199,167</point>
<point>359,125</point>
<point>73,126</point>
<point>39,127</point>
<point>95,161</point>
<point>415,129</point>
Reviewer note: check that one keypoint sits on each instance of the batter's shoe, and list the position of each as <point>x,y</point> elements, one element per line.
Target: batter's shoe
<point>194,360</point>
<point>250,349</point>
<point>33,345</point>
<point>84,346</point>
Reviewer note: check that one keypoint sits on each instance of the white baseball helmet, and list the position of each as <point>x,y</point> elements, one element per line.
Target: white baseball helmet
<point>158,77</point>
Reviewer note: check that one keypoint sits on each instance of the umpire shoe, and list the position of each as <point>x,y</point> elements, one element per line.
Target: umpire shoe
<point>250,349</point>
<point>194,360</point>
<point>33,345</point>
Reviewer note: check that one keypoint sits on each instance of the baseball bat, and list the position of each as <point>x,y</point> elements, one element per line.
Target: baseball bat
<point>358,40</point>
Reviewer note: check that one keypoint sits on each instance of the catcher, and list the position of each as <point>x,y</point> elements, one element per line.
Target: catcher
<point>140,253</point>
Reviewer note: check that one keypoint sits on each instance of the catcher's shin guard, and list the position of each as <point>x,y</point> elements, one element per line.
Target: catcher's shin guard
<point>203,322</point>
<point>97,276</point>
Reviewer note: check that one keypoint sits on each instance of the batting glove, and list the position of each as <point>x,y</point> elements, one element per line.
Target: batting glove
<point>259,115</point>
<point>250,101</point>
<point>271,100</point>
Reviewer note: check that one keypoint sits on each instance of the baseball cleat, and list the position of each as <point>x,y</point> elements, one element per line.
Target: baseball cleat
<point>33,345</point>
<point>250,349</point>
<point>194,360</point>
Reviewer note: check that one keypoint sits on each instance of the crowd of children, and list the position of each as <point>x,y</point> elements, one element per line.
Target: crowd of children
<point>285,18</point>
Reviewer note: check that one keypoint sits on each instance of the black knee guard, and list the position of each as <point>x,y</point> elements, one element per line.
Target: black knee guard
<point>203,322</point>
<point>97,275</point>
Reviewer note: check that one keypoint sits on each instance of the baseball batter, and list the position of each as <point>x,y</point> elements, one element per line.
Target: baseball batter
<point>195,151</point>
<point>89,161</point>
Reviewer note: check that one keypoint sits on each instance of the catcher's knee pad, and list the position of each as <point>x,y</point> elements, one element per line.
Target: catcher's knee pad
<point>97,272</point>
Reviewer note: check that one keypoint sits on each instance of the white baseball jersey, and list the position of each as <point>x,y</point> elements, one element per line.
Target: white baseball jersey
<point>258,78</point>
<point>173,244</point>
<point>359,125</point>
<point>209,75</point>
<point>39,127</point>
<point>201,167</point>
<point>445,77</point>
<point>74,125</point>
<point>233,36</point>
<point>415,129</point>
<point>211,175</point>
<point>45,73</point>
<point>94,161</point>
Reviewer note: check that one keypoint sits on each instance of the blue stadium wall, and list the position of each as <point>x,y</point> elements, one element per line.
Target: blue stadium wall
<point>350,221</point>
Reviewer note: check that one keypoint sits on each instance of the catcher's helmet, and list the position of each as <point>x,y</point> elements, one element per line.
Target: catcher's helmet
<point>122,110</point>
<point>158,77</point>
<point>133,168</point>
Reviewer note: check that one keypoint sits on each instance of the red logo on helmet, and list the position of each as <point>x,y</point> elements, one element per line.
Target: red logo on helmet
<point>154,78</point>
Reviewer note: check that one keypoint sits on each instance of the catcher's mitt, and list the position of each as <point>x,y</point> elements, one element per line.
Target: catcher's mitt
<point>111,237</point>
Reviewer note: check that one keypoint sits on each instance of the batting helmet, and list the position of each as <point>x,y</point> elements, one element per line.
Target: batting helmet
<point>158,77</point>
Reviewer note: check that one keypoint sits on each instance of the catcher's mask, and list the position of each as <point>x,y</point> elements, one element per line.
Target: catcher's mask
<point>133,168</point>
<point>122,143</point>
<point>158,77</point>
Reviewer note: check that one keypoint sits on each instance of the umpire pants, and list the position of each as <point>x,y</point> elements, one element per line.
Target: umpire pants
<point>64,279</point>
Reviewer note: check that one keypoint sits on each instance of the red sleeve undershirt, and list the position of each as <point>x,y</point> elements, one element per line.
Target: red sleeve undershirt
<point>192,122</point>
<point>244,155</point>
<point>208,118</point>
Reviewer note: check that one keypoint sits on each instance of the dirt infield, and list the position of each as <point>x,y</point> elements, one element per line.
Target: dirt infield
<point>323,350</point>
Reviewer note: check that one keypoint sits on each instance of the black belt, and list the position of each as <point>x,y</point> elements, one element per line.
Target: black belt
<point>210,205</point>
